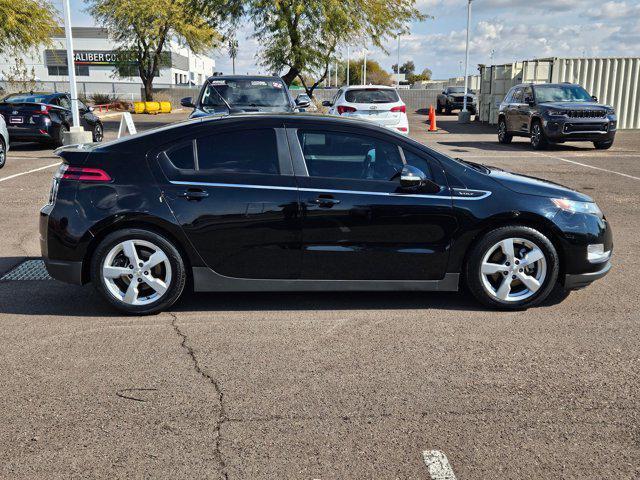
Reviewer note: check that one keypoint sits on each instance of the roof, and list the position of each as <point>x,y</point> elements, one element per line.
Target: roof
<point>365,87</point>
<point>244,77</point>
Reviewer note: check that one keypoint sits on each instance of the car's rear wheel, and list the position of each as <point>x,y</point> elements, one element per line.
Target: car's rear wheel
<point>503,134</point>
<point>538,137</point>
<point>3,153</point>
<point>603,145</point>
<point>58,139</point>
<point>138,271</point>
<point>98,132</point>
<point>512,267</point>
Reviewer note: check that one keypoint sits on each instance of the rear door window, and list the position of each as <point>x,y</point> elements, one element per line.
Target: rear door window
<point>182,157</point>
<point>517,96</point>
<point>242,151</point>
<point>371,95</point>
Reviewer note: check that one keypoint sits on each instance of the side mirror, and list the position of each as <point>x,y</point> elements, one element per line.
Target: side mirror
<point>413,179</point>
<point>594,98</point>
<point>90,109</point>
<point>187,102</point>
<point>326,103</point>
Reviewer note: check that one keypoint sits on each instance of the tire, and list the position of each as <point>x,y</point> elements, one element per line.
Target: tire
<point>447,110</point>
<point>98,132</point>
<point>540,276</point>
<point>538,137</point>
<point>58,140</point>
<point>168,276</point>
<point>3,153</point>
<point>438,108</point>
<point>603,145</point>
<point>503,135</point>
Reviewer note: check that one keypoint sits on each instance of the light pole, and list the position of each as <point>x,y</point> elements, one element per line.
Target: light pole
<point>398,63</point>
<point>464,116</point>
<point>364,68</point>
<point>348,65</point>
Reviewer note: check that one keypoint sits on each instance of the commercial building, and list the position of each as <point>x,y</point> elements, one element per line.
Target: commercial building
<point>95,63</point>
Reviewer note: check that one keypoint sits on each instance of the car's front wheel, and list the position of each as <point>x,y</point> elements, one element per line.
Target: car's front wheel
<point>512,267</point>
<point>137,271</point>
<point>503,134</point>
<point>603,145</point>
<point>538,137</point>
<point>98,132</point>
<point>3,153</point>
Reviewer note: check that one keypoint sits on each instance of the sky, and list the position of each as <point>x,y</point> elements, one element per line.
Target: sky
<point>502,31</point>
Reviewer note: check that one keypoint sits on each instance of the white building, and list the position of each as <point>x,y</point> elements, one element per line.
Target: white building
<point>95,57</point>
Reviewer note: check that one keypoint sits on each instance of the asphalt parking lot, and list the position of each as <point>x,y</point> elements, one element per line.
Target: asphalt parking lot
<point>327,385</point>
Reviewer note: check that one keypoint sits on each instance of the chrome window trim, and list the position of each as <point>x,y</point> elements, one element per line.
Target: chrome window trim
<point>484,195</point>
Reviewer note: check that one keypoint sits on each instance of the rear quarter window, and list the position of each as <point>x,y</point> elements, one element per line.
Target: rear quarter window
<point>371,95</point>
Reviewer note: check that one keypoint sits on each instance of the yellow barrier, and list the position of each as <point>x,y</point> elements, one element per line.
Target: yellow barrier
<point>138,107</point>
<point>165,107</point>
<point>152,107</point>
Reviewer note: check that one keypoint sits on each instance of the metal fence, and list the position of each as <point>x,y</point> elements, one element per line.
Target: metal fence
<point>615,81</point>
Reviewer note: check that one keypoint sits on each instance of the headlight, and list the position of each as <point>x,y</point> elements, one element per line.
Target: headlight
<point>557,113</point>
<point>573,206</point>
<point>611,111</point>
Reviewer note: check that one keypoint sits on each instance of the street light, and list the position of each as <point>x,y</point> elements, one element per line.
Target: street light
<point>463,116</point>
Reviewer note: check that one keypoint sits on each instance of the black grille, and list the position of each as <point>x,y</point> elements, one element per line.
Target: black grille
<point>461,99</point>
<point>586,127</point>
<point>587,113</point>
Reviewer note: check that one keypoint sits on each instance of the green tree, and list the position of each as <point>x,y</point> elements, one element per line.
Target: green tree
<point>425,75</point>
<point>408,68</point>
<point>142,29</point>
<point>301,37</point>
<point>376,75</point>
<point>25,24</point>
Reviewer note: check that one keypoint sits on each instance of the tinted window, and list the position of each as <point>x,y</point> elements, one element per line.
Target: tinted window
<point>527,95</point>
<point>182,156</point>
<point>562,93</point>
<point>418,162</point>
<point>517,96</point>
<point>28,98</point>
<point>509,96</point>
<point>345,155</point>
<point>245,93</point>
<point>243,151</point>
<point>371,95</point>
<point>64,102</point>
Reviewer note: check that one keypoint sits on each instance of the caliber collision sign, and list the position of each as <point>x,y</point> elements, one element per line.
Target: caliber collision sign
<point>95,58</point>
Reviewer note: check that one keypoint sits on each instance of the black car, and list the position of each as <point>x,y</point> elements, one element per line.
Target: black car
<point>44,117</point>
<point>555,113</point>
<point>452,98</point>
<point>224,94</point>
<point>305,202</point>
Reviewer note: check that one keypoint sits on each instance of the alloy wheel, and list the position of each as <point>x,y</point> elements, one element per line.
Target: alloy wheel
<point>513,269</point>
<point>535,135</point>
<point>502,130</point>
<point>3,154</point>
<point>97,133</point>
<point>136,272</point>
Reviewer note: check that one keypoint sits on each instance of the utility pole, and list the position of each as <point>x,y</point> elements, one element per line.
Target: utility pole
<point>336,73</point>
<point>464,116</point>
<point>398,63</point>
<point>348,65</point>
<point>76,133</point>
<point>364,68</point>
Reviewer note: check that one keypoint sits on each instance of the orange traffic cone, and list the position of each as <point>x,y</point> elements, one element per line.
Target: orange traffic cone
<point>432,119</point>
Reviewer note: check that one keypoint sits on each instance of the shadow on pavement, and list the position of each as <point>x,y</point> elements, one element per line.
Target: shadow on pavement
<point>31,147</point>
<point>516,146</point>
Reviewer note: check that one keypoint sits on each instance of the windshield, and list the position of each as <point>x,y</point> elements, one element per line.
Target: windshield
<point>27,98</point>
<point>371,95</point>
<point>458,90</point>
<point>562,93</point>
<point>245,93</point>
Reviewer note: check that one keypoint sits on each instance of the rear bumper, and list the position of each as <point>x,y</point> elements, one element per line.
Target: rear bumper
<point>29,134</point>
<point>574,281</point>
<point>65,271</point>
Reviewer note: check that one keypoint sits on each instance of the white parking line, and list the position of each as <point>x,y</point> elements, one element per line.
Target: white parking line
<point>438,465</point>
<point>29,171</point>
<point>589,166</point>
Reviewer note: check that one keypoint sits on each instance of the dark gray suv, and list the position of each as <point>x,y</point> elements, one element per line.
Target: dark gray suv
<point>555,113</point>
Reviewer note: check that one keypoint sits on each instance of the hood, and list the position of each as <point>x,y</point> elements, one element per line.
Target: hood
<point>576,105</point>
<point>535,186</point>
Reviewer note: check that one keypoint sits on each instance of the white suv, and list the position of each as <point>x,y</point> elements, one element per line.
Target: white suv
<point>377,103</point>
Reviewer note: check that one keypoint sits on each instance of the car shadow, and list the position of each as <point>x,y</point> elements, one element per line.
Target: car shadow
<point>516,146</point>
<point>30,147</point>
<point>53,298</point>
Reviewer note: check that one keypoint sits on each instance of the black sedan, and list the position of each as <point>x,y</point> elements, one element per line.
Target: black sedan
<point>305,202</point>
<point>44,117</point>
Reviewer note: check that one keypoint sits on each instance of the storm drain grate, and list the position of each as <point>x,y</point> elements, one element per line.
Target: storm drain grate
<point>28,270</point>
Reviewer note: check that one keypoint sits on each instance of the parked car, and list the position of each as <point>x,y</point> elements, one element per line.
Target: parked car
<point>224,94</point>
<point>4,142</point>
<point>376,103</point>
<point>555,113</point>
<point>44,117</point>
<point>309,203</point>
<point>304,103</point>
<point>452,98</point>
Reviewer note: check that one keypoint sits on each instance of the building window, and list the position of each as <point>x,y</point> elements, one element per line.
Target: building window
<point>176,75</point>
<point>81,70</point>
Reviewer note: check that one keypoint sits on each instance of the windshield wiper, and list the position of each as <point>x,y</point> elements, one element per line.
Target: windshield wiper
<point>476,166</point>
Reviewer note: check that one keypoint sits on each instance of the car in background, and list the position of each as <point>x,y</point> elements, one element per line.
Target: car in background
<point>45,117</point>
<point>555,113</point>
<point>375,103</point>
<point>4,142</point>
<point>305,104</point>
<point>452,98</point>
<point>306,202</point>
<point>225,94</point>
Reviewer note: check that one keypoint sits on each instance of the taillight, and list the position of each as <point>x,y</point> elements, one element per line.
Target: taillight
<point>84,174</point>
<point>43,110</point>
<point>345,109</point>
<point>400,108</point>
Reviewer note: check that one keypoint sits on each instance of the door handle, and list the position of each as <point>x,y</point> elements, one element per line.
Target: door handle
<point>193,194</point>
<point>324,201</point>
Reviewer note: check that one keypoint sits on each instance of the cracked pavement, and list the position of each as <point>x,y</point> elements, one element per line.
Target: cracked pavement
<point>328,385</point>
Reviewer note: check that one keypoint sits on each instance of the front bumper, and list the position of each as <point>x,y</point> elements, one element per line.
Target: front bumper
<point>564,129</point>
<point>574,281</point>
